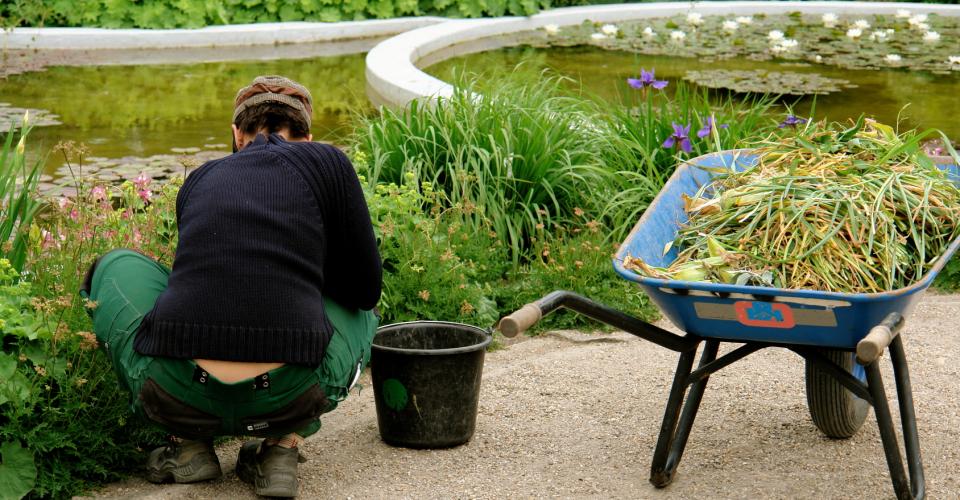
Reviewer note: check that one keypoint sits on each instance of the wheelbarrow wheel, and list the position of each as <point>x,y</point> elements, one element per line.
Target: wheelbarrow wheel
<point>836,411</point>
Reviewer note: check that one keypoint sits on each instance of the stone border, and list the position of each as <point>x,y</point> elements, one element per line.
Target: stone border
<point>394,79</point>
<point>211,36</point>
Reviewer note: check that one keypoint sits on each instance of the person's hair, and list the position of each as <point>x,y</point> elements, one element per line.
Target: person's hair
<point>273,117</point>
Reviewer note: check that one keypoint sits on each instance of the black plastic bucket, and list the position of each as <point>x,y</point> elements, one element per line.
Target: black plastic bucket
<point>426,382</point>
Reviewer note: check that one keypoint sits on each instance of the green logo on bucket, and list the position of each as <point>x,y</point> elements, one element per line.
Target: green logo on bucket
<point>394,394</point>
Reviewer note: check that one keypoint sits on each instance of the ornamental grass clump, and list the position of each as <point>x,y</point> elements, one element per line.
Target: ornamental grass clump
<point>857,210</point>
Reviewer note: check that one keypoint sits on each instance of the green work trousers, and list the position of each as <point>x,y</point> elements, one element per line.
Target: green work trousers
<point>184,399</point>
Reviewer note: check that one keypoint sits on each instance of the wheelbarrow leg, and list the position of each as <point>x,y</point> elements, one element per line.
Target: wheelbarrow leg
<point>673,435</point>
<point>914,489</point>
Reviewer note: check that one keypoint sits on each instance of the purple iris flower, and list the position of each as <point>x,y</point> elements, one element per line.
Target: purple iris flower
<point>646,79</point>
<point>792,121</point>
<point>681,134</point>
<point>708,127</point>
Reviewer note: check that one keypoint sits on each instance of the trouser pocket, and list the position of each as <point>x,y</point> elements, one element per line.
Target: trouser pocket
<point>292,417</point>
<point>176,416</point>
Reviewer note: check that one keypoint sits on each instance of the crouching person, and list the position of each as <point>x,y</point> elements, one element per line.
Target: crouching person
<point>265,320</point>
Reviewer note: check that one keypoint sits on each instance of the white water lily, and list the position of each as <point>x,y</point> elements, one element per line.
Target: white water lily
<point>648,32</point>
<point>917,19</point>
<point>694,19</point>
<point>892,58</point>
<point>551,29</point>
<point>609,29</point>
<point>921,27</point>
<point>783,46</point>
<point>890,31</point>
<point>818,58</point>
<point>775,35</point>
<point>903,14</point>
<point>861,23</point>
<point>931,37</point>
<point>879,36</point>
<point>730,26</point>
<point>677,35</point>
<point>789,43</point>
<point>829,19</point>
<point>854,33</point>
<point>953,62</point>
<point>598,36</point>
<point>745,20</point>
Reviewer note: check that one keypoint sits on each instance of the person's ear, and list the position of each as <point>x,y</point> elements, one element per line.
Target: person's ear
<point>309,137</point>
<point>239,141</point>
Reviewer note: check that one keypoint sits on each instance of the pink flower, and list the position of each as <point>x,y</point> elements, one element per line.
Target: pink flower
<point>142,181</point>
<point>74,214</point>
<point>47,239</point>
<point>145,195</point>
<point>98,193</point>
<point>63,202</point>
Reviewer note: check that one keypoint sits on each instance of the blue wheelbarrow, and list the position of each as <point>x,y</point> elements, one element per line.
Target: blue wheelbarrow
<point>840,335</point>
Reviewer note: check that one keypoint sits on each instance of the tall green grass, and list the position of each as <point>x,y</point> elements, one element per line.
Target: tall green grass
<point>18,202</point>
<point>635,130</point>
<point>523,155</point>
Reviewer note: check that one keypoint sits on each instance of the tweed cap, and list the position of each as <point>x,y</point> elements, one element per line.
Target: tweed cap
<point>272,88</point>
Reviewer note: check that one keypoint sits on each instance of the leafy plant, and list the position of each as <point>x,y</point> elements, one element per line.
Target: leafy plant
<point>575,257</point>
<point>195,14</point>
<point>520,156</point>
<point>18,204</point>
<point>434,260</point>
<point>637,149</point>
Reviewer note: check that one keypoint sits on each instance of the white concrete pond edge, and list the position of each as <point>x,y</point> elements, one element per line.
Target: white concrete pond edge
<point>211,36</point>
<point>394,79</point>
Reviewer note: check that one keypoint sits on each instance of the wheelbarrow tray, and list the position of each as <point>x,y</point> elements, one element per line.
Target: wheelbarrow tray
<point>753,313</point>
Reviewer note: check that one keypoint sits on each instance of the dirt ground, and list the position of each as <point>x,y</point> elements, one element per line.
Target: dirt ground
<point>568,414</point>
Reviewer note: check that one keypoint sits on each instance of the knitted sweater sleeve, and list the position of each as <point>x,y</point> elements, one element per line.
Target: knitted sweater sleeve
<point>352,271</point>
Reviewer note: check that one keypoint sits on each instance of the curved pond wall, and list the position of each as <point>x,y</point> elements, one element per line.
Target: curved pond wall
<point>393,77</point>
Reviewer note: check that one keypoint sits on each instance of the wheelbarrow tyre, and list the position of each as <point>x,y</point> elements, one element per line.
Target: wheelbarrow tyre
<point>836,411</point>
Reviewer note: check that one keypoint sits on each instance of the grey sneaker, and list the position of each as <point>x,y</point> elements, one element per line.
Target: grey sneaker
<point>271,469</point>
<point>183,462</point>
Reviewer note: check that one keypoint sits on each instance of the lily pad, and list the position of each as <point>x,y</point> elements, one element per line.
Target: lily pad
<point>13,116</point>
<point>767,82</point>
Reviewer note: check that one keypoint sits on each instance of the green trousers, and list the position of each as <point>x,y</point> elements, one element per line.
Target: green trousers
<point>184,399</point>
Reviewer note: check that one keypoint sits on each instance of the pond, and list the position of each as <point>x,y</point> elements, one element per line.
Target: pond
<point>145,116</point>
<point>921,99</point>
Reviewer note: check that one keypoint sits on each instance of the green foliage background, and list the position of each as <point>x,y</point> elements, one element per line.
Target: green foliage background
<point>198,13</point>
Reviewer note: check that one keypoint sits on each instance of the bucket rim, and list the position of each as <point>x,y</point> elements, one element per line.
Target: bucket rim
<point>487,338</point>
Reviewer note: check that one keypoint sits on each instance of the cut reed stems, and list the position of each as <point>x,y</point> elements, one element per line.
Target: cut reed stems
<point>859,209</point>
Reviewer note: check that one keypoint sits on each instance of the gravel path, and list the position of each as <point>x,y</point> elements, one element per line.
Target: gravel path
<point>573,415</point>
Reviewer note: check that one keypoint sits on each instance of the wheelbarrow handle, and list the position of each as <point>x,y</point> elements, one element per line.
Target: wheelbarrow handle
<point>521,320</point>
<point>872,346</point>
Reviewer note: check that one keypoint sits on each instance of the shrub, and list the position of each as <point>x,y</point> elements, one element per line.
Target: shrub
<point>64,405</point>
<point>521,155</point>
<point>577,258</point>
<point>435,260</point>
<point>198,13</point>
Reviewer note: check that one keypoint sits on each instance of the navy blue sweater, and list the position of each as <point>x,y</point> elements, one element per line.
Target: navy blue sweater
<point>265,234</point>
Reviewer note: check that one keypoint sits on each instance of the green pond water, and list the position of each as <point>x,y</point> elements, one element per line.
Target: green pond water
<point>921,99</point>
<point>161,111</point>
